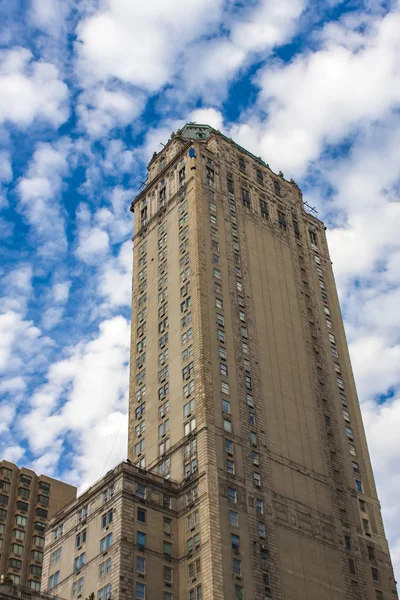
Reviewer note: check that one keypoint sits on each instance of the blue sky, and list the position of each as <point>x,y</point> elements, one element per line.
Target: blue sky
<point>88,90</point>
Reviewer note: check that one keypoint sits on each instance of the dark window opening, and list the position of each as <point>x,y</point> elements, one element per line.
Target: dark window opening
<point>281,220</point>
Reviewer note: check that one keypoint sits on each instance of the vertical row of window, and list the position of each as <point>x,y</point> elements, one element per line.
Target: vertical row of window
<point>17,549</point>
<point>141,541</point>
<point>346,415</point>
<point>189,406</point>
<point>141,346</point>
<point>164,465</point>
<point>229,446</point>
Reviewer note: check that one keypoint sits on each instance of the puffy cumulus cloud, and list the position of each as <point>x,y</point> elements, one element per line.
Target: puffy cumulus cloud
<point>209,116</point>
<point>84,399</point>
<point>39,192</point>
<point>136,42</point>
<point>115,278</point>
<point>6,172</point>
<point>195,48</point>
<point>21,342</point>
<point>101,110</point>
<point>30,90</point>
<point>382,424</point>
<point>320,96</point>
<point>17,288</point>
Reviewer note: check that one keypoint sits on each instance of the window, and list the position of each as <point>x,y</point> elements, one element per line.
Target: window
<point>261,529</point>
<point>80,561</point>
<point>365,523</point>
<point>222,353</point>
<point>359,486</point>
<point>332,338</point>
<point>362,505</point>
<point>140,564</point>
<point>80,538</point>
<point>14,563</point>
<point>141,515</point>
<point>18,549</point>
<point>253,438</point>
<point>246,198</point>
<point>22,492</point>
<point>140,538</point>
<point>16,579</point>
<point>355,466</point>
<point>352,449</point>
<point>264,209</point>
<point>352,567</point>
<point>37,571</point>
<point>139,447</point>
<point>104,593</point>
<point>232,495</point>
<point>218,303</point>
<point>188,408</point>
<point>234,518</point>
<point>379,595</point>
<point>228,425</point>
<point>226,406</point>
<point>167,574</point>
<point>55,556</point>
<point>349,432</point>
<point>192,520</point>
<point>230,466</point>
<point>83,513</point>
<point>163,428</point>
<point>106,542</point>
<point>221,335</point>
<point>223,369</point>
<point>34,585</point>
<point>238,592</point>
<point>54,580</point>
<point>164,446</point>
<point>20,535</point>
<point>217,273</point>
<point>257,480</point>
<point>225,387</point>
<point>213,219</point>
<point>229,446</point>
<point>190,426</point>
<point>235,540</point>
<point>140,591</point>
<point>259,506</point>
<point>371,552</point>
<point>167,526</point>
<point>195,593</point>
<point>375,574</point>
<point>167,548</point>
<point>22,506</point>
<point>313,239</point>
<point>188,389</point>
<point>194,568</point>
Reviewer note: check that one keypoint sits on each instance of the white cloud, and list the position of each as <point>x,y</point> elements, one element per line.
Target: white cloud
<point>85,397</point>
<point>100,110</point>
<point>38,192</point>
<point>137,43</point>
<point>60,291</point>
<point>115,278</point>
<point>6,172</point>
<point>341,86</point>
<point>13,453</point>
<point>30,90</point>
<point>208,116</point>
<point>93,244</point>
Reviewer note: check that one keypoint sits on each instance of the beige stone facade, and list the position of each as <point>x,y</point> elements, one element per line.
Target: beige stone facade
<point>27,502</point>
<point>241,385</point>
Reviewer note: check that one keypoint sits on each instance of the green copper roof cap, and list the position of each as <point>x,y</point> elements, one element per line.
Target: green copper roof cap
<point>195,131</point>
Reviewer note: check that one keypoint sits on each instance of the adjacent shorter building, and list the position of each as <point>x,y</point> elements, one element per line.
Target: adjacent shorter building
<point>15,592</point>
<point>27,502</point>
<point>125,538</point>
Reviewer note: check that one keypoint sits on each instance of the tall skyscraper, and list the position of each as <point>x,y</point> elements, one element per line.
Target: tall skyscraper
<point>241,389</point>
<point>27,502</point>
